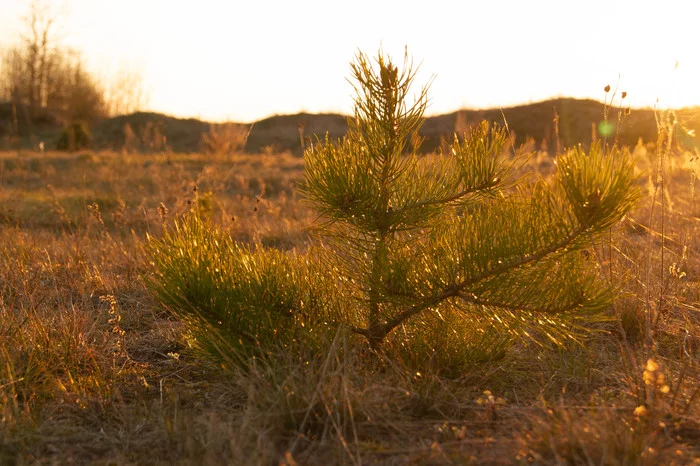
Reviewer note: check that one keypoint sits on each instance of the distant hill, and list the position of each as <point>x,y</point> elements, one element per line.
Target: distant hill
<point>282,131</point>
<point>181,135</point>
<point>575,120</point>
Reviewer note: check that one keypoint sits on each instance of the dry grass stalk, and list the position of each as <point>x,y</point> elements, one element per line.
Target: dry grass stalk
<point>225,138</point>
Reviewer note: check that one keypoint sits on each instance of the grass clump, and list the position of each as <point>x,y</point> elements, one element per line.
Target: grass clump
<point>75,136</point>
<point>240,302</point>
<point>225,138</point>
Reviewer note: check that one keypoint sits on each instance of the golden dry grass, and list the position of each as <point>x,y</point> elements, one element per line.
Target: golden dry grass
<point>94,371</point>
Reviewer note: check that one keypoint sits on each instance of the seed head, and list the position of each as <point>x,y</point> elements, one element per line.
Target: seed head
<point>162,211</point>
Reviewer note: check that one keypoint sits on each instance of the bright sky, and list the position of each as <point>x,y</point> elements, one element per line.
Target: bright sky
<point>246,60</point>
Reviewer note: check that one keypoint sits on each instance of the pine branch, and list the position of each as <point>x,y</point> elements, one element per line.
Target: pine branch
<point>454,290</point>
<point>449,199</point>
<point>523,307</point>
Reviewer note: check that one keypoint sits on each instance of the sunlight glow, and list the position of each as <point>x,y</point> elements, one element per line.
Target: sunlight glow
<point>248,60</point>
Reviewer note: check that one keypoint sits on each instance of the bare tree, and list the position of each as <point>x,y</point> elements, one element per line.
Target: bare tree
<point>40,74</point>
<point>11,66</point>
<point>40,52</point>
<point>124,92</point>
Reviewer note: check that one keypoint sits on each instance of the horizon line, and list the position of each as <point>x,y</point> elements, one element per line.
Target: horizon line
<point>427,114</point>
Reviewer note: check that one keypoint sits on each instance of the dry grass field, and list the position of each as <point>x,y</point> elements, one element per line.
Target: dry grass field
<point>94,370</point>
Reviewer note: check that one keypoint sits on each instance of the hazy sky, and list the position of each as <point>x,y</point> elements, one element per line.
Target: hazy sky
<point>245,60</point>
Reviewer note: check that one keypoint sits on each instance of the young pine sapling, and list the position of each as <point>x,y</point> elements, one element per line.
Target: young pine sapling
<point>408,235</point>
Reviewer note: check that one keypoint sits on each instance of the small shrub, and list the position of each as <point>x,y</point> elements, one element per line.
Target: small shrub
<point>239,302</point>
<point>75,136</point>
<point>225,138</point>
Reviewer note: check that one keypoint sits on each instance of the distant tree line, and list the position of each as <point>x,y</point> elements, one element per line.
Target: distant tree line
<point>45,81</point>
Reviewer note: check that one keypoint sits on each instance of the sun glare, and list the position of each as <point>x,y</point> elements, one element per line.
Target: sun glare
<point>223,61</point>
<point>657,53</point>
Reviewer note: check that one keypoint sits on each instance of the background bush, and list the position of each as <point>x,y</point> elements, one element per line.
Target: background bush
<point>75,136</point>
